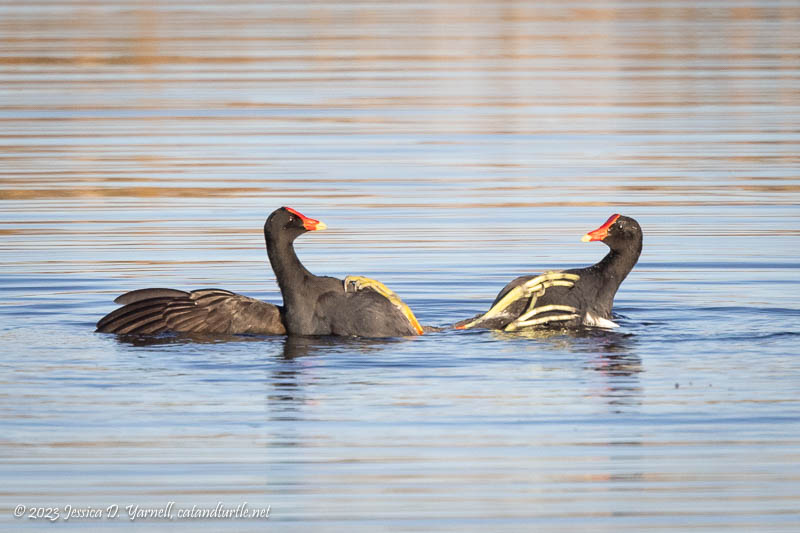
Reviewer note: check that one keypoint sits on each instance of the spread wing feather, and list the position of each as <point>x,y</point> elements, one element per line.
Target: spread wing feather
<point>150,311</point>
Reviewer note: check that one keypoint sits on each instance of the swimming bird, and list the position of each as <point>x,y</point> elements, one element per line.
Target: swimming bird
<point>313,305</point>
<point>568,298</point>
<point>323,305</point>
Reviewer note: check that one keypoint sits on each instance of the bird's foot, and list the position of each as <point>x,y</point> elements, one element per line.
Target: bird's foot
<point>533,289</point>
<point>360,283</point>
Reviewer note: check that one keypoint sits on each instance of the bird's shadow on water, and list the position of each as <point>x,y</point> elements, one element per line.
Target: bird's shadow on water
<point>296,346</point>
<point>291,363</point>
<point>292,360</point>
<point>610,354</point>
<point>614,356</point>
<point>293,345</point>
<point>609,351</point>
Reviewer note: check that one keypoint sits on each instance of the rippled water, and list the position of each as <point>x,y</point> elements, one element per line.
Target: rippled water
<point>449,147</point>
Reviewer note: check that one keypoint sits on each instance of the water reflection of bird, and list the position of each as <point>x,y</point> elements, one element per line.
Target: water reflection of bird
<point>569,298</point>
<point>313,305</point>
<point>298,346</point>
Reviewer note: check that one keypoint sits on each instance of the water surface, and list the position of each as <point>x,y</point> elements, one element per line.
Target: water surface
<point>449,147</point>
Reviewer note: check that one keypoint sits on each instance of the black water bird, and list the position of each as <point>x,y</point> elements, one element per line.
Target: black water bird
<point>313,305</point>
<point>569,298</point>
<point>323,305</point>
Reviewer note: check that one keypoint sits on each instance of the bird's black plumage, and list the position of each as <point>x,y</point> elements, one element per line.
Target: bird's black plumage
<point>211,311</point>
<point>313,305</point>
<point>323,305</point>
<point>591,295</point>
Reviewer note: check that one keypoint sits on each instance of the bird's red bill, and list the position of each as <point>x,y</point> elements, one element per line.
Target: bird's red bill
<point>602,232</point>
<point>309,223</point>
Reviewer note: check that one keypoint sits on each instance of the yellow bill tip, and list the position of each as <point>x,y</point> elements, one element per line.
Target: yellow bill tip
<point>586,238</point>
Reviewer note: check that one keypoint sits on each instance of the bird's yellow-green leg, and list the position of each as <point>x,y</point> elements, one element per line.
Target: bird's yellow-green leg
<point>540,290</point>
<point>525,320</point>
<point>360,283</point>
<point>534,288</point>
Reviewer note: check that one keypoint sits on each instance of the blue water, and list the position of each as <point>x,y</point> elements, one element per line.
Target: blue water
<point>450,148</point>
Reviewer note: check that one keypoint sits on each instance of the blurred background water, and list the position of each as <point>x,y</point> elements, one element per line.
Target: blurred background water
<point>449,146</point>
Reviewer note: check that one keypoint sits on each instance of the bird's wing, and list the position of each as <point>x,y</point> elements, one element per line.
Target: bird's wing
<point>152,311</point>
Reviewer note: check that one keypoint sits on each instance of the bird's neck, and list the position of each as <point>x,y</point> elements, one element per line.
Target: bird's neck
<point>613,269</point>
<point>289,271</point>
